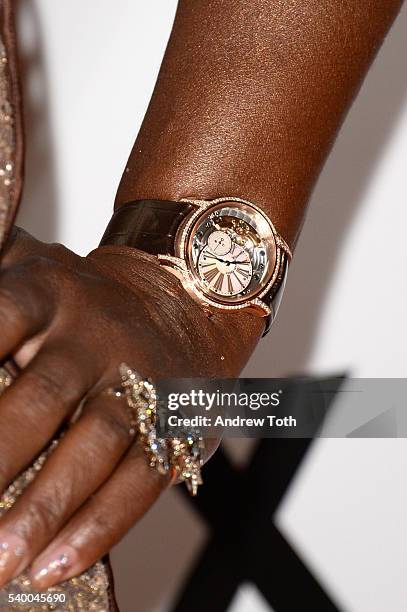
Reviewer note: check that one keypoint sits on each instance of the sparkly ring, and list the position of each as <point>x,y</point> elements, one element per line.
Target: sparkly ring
<point>181,457</point>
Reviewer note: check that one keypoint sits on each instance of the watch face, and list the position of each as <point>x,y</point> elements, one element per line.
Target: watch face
<point>231,251</point>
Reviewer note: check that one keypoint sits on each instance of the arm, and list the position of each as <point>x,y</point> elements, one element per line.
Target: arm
<point>248,101</point>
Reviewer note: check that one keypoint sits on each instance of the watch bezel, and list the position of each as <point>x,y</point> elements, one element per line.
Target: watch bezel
<point>190,276</point>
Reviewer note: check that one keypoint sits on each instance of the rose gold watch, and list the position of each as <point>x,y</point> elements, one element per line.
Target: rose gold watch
<point>226,252</point>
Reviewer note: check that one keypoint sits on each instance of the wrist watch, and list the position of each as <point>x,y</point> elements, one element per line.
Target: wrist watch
<point>226,252</point>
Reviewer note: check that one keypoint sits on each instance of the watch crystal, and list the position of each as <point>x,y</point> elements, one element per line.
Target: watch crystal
<point>231,251</point>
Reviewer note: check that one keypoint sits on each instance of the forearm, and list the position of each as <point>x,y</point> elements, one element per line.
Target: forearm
<point>249,99</point>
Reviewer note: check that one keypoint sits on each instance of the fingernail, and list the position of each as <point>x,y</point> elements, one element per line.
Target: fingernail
<point>53,568</point>
<point>12,557</point>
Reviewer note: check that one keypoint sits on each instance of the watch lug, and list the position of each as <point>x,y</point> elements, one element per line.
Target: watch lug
<point>195,202</point>
<point>175,265</point>
<point>258,307</point>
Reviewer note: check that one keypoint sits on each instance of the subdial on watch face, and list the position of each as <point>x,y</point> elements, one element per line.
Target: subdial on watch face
<point>227,274</point>
<point>219,243</point>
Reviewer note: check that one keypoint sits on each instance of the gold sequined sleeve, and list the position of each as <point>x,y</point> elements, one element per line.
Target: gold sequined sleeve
<point>11,130</point>
<point>92,590</point>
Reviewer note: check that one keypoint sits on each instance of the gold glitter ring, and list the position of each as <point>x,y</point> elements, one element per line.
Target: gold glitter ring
<point>179,457</point>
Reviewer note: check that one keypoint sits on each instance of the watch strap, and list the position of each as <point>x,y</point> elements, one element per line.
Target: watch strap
<point>275,295</point>
<point>147,225</point>
<point>152,225</point>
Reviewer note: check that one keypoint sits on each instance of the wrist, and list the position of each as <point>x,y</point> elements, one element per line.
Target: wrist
<point>246,270</point>
<point>218,346</point>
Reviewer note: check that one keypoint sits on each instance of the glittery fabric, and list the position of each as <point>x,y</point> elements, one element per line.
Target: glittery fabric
<point>89,591</point>
<point>6,141</point>
<point>11,141</point>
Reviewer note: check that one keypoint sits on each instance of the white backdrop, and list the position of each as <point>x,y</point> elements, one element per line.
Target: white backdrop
<point>89,71</point>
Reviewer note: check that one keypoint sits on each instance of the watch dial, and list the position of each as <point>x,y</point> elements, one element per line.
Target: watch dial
<point>227,274</point>
<point>231,251</point>
<point>219,243</point>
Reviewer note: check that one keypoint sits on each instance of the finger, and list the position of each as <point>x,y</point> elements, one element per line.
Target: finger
<point>24,310</point>
<point>102,521</point>
<point>40,399</point>
<point>83,460</point>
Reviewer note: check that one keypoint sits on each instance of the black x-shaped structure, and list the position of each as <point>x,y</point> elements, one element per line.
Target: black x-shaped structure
<point>245,545</point>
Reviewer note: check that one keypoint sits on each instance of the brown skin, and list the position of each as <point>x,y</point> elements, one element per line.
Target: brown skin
<point>69,322</point>
<point>248,102</point>
<point>249,99</point>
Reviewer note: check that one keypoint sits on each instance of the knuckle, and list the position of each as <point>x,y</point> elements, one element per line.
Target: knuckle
<point>60,251</point>
<point>138,463</point>
<point>46,384</point>
<point>37,263</point>
<point>54,384</point>
<point>44,269</point>
<point>55,379</point>
<point>22,298</point>
<point>12,309</point>
<point>102,523</point>
<point>71,361</point>
<point>41,516</point>
<point>159,480</point>
<point>114,426</point>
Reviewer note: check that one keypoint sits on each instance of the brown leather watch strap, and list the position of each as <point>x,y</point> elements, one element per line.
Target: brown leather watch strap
<point>274,296</point>
<point>148,225</point>
<point>151,226</point>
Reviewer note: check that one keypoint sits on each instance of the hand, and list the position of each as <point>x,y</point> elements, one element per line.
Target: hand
<point>225,261</point>
<point>69,322</point>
